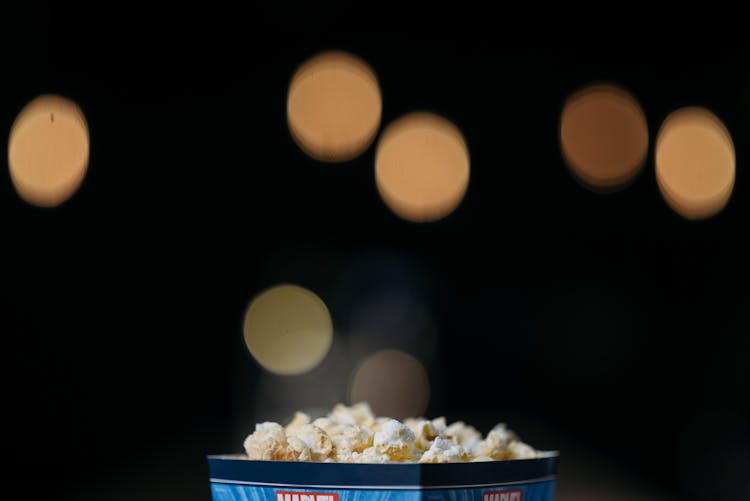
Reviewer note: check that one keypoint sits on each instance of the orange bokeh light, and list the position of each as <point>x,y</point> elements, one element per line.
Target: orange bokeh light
<point>604,136</point>
<point>695,162</point>
<point>48,150</point>
<point>422,167</point>
<point>393,382</point>
<point>334,106</point>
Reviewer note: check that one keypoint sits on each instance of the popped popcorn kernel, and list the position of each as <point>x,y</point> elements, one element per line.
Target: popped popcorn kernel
<point>325,424</point>
<point>396,440</point>
<point>520,450</point>
<point>359,413</point>
<point>297,450</point>
<point>298,420</point>
<point>425,431</point>
<point>377,425</point>
<point>370,455</point>
<point>465,435</point>
<point>495,445</point>
<point>444,451</point>
<point>320,444</point>
<point>267,442</point>
<point>353,434</point>
<point>350,438</point>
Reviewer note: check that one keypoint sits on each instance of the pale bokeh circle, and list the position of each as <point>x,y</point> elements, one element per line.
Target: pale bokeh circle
<point>334,106</point>
<point>695,162</point>
<point>288,329</point>
<point>393,382</point>
<point>604,136</point>
<point>48,150</point>
<point>422,167</point>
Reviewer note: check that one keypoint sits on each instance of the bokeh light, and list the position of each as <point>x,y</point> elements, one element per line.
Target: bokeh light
<point>422,167</point>
<point>334,106</point>
<point>48,150</point>
<point>695,162</point>
<point>288,329</point>
<point>604,136</point>
<point>393,382</point>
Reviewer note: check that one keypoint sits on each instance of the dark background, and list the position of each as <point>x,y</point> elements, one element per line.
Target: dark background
<point>602,325</point>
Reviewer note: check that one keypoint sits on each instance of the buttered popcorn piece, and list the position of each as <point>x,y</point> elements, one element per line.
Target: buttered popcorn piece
<point>500,435</point>
<point>396,440</point>
<point>359,414</point>
<point>298,420</point>
<point>350,438</point>
<point>466,436</point>
<point>378,423</point>
<point>354,435</point>
<point>369,455</point>
<point>326,424</point>
<point>444,451</point>
<point>297,450</point>
<point>496,443</point>
<point>520,450</point>
<point>320,444</point>
<point>501,443</point>
<point>425,431</point>
<point>267,442</point>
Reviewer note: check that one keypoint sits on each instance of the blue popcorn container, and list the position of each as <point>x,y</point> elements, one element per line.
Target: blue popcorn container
<point>235,478</point>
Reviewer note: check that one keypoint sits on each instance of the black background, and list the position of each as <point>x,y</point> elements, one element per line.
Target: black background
<point>609,318</point>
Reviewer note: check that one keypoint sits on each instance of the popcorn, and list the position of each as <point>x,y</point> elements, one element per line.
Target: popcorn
<point>326,424</point>
<point>298,420</point>
<point>425,432</point>
<point>297,450</point>
<point>466,436</point>
<point>520,450</point>
<point>355,435</point>
<point>444,451</point>
<point>496,444</point>
<point>379,422</point>
<point>360,414</point>
<point>318,441</point>
<point>370,455</point>
<point>396,440</point>
<point>500,435</point>
<point>350,438</point>
<point>267,442</point>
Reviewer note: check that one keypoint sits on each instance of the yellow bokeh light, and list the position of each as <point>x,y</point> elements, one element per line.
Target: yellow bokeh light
<point>422,167</point>
<point>695,162</point>
<point>288,329</point>
<point>334,106</point>
<point>48,150</point>
<point>393,382</point>
<point>604,136</point>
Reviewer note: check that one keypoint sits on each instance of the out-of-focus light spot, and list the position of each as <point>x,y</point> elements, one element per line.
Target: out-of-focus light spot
<point>48,150</point>
<point>422,167</point>
<point>334,106</point>
<point>604,136</point>
<point>288,329</point>
<point>393,382</point>
<point>695,162</point>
